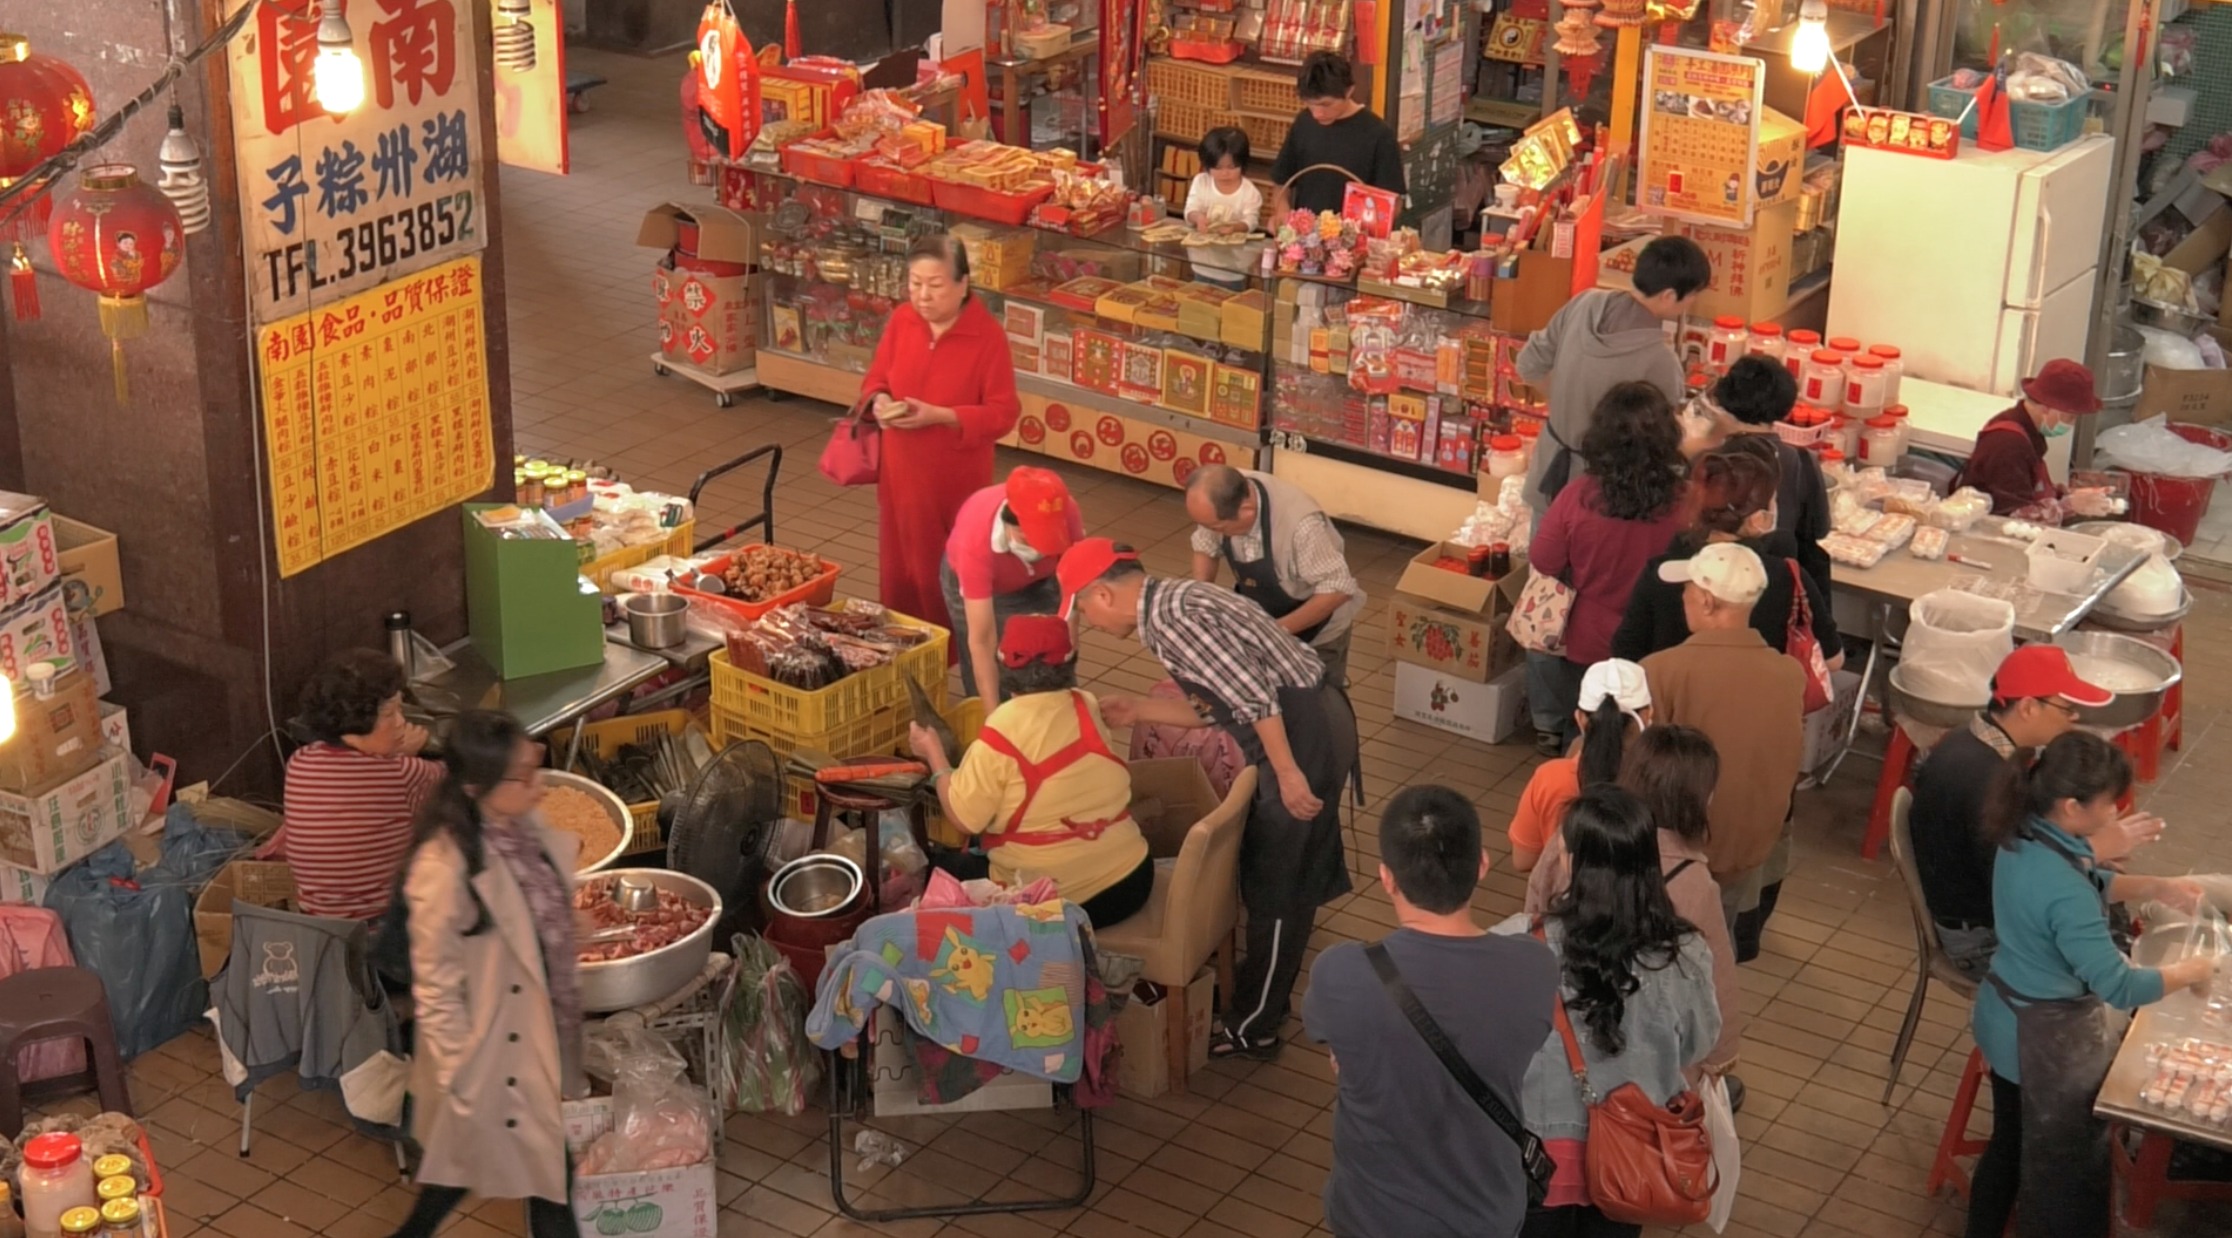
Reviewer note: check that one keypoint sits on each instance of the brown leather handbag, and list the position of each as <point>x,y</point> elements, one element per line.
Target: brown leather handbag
<point>1646,1164</point>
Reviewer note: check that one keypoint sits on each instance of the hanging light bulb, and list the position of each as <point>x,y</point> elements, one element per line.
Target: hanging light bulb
<point>1809,44</point>
<point>7,711</point>
<point>515,36</point>
<point>182,181</point>
<point>337,74</point>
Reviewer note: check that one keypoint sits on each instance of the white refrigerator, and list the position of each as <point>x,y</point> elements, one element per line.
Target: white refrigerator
<point>1979,268</point>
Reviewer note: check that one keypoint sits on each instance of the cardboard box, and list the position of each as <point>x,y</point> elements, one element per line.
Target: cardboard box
<point>656,1203</point>
<point>1488,712</point>
<point>710,234</point>
<point>21,885</point>
<point>1779,170</point>
<point>116,727</point>
<point>1751,266</point>
<point>89,566</point>
<point>49,828</point>
<point>707,295</point>
<point>56,736</point>
<point>1144,1030</point>
<point>1451,622</point>
<point>29,558</point>
<point>260,883</point>
<point>2206,245</point>
<point>86,649</point>
<point>1169,796</point>
<point>2202,397</point>
<point>37,631</point>
<point>897,1090</point>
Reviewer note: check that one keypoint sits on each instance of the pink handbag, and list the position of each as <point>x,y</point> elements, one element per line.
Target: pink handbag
<point>854,454</point>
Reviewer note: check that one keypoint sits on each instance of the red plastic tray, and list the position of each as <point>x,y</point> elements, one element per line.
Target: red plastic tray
<point>991,204</point>
<point>816,592</point>
<point>874,175</point>
<point>814,166</point>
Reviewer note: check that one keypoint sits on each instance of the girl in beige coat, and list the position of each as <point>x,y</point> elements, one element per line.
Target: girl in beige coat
<point>492,973</point>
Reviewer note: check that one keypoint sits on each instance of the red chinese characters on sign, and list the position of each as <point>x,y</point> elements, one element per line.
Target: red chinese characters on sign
<point>413,47</point>
<point>286,48</point>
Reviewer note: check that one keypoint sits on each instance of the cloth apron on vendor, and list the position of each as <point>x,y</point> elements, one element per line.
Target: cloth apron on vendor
<point>2009,460</point>
<point>999,563</point>
<point>1284,553</point>
<point>1250,677</point>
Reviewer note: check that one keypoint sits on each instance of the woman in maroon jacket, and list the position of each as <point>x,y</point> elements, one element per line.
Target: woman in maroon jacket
<point>2009,460</point>
<point>943,386</point>
<point>1598,534</point>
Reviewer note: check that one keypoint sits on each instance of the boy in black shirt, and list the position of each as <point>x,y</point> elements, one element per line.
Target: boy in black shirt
<point>1332,128</point>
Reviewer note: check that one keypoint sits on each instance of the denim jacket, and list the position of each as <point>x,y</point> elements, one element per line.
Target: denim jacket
<point>1671,1023</point>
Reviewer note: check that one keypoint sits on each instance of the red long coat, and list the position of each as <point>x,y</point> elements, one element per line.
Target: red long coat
<point>928,473</point>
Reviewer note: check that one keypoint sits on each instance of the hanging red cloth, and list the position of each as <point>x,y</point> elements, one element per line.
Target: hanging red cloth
<point>1995,128</point>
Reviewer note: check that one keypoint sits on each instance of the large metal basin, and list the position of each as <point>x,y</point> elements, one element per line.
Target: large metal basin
<point>605,799</point>
<point>1921,709</point>
<point>621,983</point>
<point>2130,706</point>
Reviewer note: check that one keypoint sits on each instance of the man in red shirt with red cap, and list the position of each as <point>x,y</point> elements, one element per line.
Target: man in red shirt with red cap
<point>999,563</point>
<point>2009,461</point>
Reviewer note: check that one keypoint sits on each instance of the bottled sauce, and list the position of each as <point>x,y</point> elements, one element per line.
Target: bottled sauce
<point>1844,433</point>
<point>1499,560</point>
<point>1821,380</point>
<point>1506,456</point>
<point>1528,430</point>
<point>116,1186</point>
<point>1898,414</point>
<point>1728,340</point>
<point>1833,467</point>
<point>1894,367</point>
<point>1695,383</point>
<point>11,1225</point>
<point>1766,340</point>
<point>1802,344</point>
<point>116,1164</point>
<point>56,1180</point>
<point>1864,384</point>
<point>1845,344</point>
<point>1879,442</point>
<point>1479,559</point>
<point>121,1218</point>
<point>78,1222</point>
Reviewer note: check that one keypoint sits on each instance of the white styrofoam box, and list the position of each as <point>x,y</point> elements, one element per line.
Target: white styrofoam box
<point>2170,105</point>
<point>655,1203</point>
<point>896,1087</point>
<point>1488,712</point>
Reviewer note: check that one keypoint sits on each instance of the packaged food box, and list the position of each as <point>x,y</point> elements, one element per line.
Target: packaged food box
<point>30,558</point>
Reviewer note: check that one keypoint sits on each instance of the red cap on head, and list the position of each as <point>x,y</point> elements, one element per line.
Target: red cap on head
<point>2044,671</point>
<point>1035,638</point>
<point>1041,502</point>
<point>1085,563</point>
<point>2064,386</point>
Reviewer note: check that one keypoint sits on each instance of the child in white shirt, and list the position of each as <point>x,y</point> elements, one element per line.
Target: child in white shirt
<point>1221,193</point>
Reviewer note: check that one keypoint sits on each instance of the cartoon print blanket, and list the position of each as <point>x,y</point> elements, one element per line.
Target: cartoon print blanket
<point>1001,984</point>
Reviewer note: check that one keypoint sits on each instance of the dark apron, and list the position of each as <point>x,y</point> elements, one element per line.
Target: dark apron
<point>2042,482</point>
<point>1289,867</point>
<point>2063,1049</point>
<point>1258,581</point>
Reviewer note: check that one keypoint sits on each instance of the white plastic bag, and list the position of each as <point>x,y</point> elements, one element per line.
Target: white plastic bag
<point>1720,1124</point>
<point>1954,644</point>
<point>2150,446</point>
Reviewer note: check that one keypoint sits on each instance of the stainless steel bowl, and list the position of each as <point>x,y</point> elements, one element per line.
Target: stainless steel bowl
<point>2171,547</point>
<point>656,620</point>
<point>2129,707</point>
<point>611,803</point>
<point>618,984</point>
<point>2166,317</point>
<point>1921,709</point>
<point>2109,617</point>
<point>815,886</point>
<point>2121,376</point>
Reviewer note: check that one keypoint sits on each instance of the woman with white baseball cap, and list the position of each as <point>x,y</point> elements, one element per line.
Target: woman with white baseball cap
<point>1614,705</point>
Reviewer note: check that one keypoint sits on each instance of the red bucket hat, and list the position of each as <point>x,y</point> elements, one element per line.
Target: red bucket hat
<point>2064,386</point>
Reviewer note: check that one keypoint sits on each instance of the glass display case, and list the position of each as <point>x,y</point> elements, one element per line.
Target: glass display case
<point>1143,359</point>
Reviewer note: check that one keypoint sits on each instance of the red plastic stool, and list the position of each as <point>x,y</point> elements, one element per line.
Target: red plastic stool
<point>2146,1176</point>
<point>1899,761</point>
<point>2173,701</point>
<point>1955,1143</point>
<point>2143,744</point>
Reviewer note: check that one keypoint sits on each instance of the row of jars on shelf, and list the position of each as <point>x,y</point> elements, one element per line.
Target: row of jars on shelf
<point>1839,374</point>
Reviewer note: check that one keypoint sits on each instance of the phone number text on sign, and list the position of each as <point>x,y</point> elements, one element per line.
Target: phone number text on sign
<point>333,205</point>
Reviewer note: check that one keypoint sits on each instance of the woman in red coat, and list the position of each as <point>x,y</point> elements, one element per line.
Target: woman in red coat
<point>944,389</point>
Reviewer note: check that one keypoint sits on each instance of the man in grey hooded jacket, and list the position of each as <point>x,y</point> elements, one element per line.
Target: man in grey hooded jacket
<point>1606,337</point>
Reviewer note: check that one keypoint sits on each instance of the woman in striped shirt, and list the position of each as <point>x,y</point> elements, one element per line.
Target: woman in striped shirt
<point>351,795</point>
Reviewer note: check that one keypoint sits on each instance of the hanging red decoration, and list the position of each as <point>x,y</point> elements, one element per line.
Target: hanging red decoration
<point>793,46</point>
<point>44,106</point>
<point>116,236</point>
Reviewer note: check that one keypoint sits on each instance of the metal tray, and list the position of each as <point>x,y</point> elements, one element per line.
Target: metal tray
<point>619,984</point>
<point>603,795</point>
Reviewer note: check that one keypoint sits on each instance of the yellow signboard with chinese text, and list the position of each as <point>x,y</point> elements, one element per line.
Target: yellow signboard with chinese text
<point>375,412</point>
<point>1700,135</point>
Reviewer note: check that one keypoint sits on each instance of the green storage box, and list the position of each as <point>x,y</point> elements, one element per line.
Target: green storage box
<point>529,608</point>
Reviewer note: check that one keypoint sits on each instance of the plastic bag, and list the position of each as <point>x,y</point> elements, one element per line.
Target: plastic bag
<point>1954,644</point>
<point>1720,1126</point>
<point>2169,350</point>
<point>659,1119</point>
<point>194,849</point>
<point>2151,447</point>
<point>138,936</point>
<point>769,1067</point>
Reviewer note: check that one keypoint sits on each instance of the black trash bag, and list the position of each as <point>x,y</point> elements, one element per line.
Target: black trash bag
<point>136,932</point>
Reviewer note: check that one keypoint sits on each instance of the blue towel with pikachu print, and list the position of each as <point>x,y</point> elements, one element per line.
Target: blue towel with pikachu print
<point>1000,984</point>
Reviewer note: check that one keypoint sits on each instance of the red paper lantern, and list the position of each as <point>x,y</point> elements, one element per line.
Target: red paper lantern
<point>44,106</point>
<point>117,237</point>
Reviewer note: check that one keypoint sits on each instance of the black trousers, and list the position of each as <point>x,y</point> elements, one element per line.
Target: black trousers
<point>1114,905</point>
<point>545,1218</point>
<point>1999,1172</point>
<point>1574,1221</point>
<point>1263,986</point>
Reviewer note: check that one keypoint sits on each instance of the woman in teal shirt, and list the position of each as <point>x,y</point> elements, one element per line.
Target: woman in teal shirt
<point>2043,1016</point>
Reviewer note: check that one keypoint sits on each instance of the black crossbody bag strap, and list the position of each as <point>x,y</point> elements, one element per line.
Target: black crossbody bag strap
<point>1534,1159</point>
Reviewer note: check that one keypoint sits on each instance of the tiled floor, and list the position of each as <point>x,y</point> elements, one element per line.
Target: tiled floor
<point>1245,1151</point>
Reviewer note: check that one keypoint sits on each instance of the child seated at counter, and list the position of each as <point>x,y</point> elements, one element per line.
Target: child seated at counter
<point>1222,196</point>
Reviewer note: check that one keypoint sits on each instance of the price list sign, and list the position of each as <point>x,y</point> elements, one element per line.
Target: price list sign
<point>375,412</point>
<point>1700,135</point>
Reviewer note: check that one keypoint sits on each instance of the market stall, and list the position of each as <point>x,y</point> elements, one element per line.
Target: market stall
<point>2171,1081</point>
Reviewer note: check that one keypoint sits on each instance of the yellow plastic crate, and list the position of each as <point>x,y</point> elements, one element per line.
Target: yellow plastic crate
<point>604,739</point>
<point>880,732</point>
<point>772,708</point>
<point>599,570</point>
<point>966,717</point>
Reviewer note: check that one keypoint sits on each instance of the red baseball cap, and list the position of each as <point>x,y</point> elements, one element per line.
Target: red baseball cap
<point>1041,502</point>
<point>1085,563</point>
<point>2044,671</point>
<point>1035,638</point>
<point>2064,386</point>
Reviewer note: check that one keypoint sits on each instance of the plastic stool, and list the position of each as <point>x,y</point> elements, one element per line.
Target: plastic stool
<point>47,1002</point>
<point>1899,761</point>
<point>1955,1143</point>
<point>2143,744</point>
<point>867,812</point>
<point>2146,1176</point>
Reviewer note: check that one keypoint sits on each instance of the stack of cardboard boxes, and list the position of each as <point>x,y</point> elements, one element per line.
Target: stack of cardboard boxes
<point>705,284</point>
<point>1456,667</point>
<point>65,776</point>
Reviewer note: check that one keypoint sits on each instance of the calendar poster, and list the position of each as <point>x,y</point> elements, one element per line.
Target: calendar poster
<point>1700,135</point>
<point>375,412</point>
